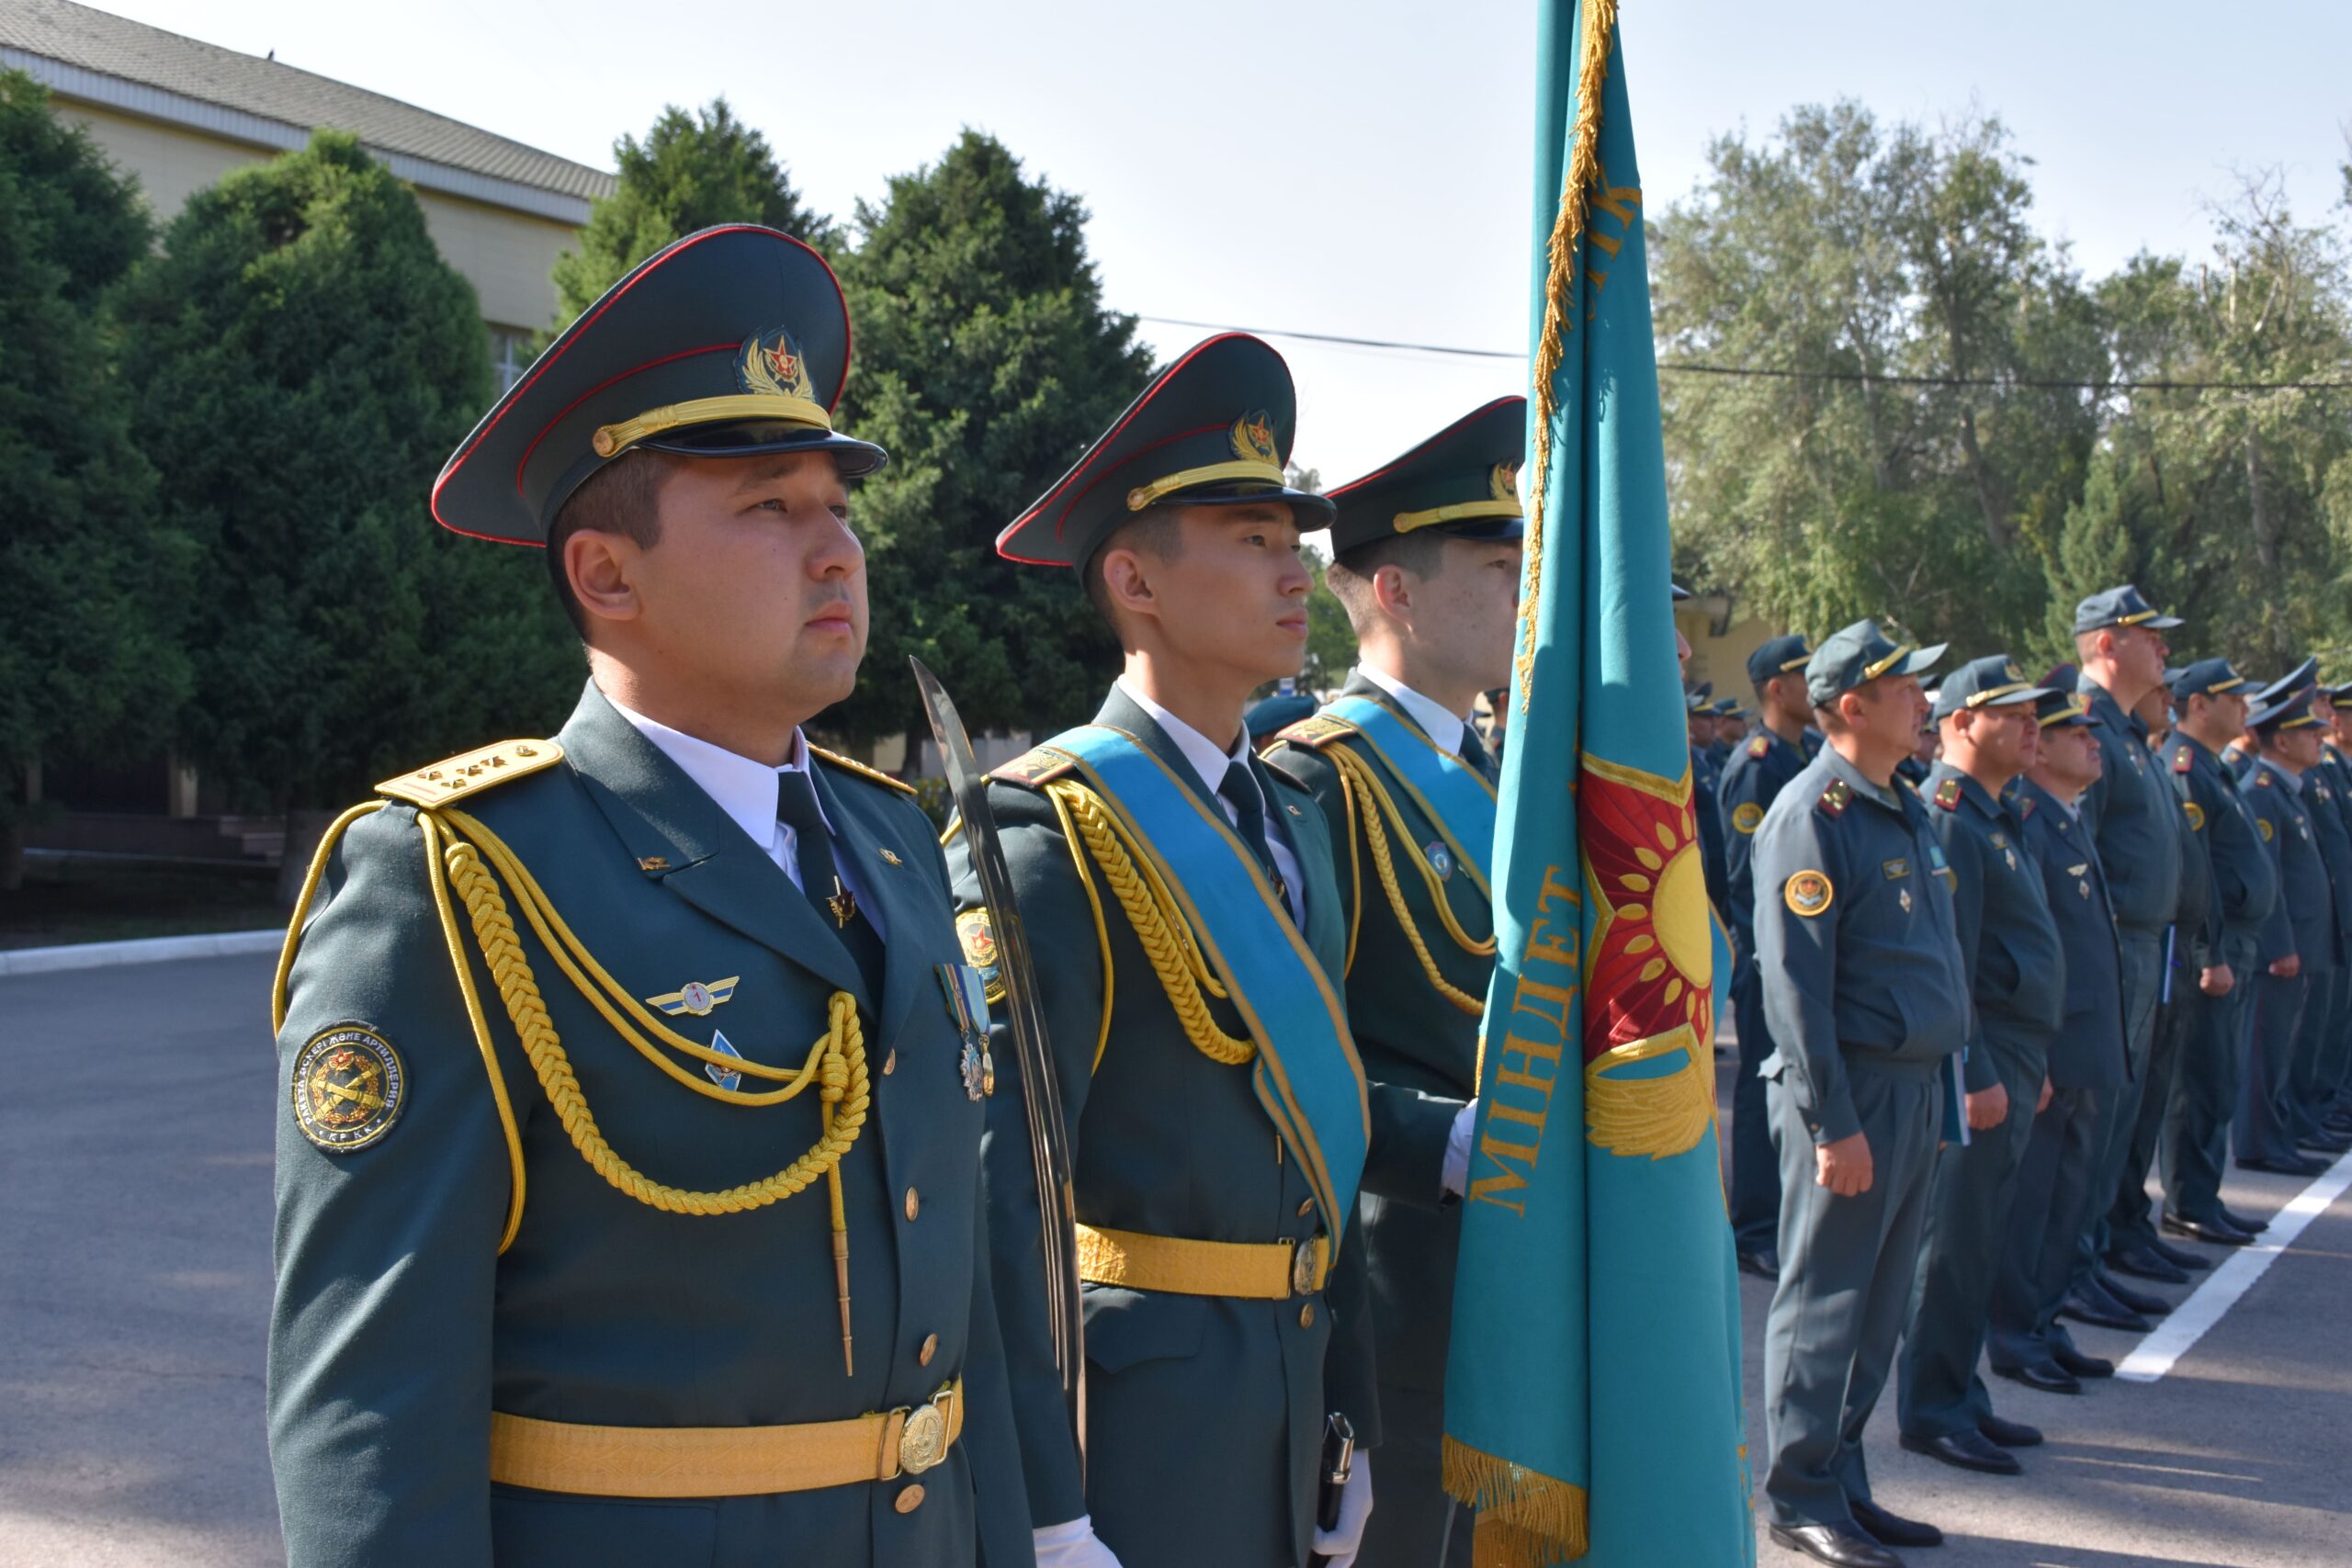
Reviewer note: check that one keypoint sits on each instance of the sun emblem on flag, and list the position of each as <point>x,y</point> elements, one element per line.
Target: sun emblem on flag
<point>1649,1021</point>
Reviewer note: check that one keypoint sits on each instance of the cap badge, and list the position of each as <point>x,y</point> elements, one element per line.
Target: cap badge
<point>1253,438</point>
<point>771,363</point>
<point>1504,481</point>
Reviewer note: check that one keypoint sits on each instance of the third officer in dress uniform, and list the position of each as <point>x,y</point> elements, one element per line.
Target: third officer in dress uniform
<point>1426,562</point>
<point>2010,944</point>
<point>1866,998</point>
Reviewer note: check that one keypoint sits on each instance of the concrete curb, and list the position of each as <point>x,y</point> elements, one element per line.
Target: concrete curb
<point>150,950</point>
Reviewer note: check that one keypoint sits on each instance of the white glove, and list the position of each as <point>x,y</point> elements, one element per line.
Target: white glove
<point>1454,1175</point>
<point>1339,1542</point>
<point>1072,1544</point>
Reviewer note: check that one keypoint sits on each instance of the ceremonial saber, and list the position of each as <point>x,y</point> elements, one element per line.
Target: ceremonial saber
<point>1041,1092</point>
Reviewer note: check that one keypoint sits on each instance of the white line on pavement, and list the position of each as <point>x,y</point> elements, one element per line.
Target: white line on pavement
<point>2157,1353</point>
<point>148,950</point>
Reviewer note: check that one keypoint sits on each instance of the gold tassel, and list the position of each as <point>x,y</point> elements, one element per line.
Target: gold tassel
<point>1526,1519</point>
<point>1657,1116</point>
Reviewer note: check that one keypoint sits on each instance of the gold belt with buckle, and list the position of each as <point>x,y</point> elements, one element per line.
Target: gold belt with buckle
<point>1271,1271</point>
<point>723,1461</point>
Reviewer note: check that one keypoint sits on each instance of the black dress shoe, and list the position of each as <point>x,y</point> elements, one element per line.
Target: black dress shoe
<point>2088,1303</point>
<point>2047,1376</point>
<point>2076,1364</point>
<point>1841,1545</point>
<point>2009,1434</point>
<point>2133,1300</point>
<point>2295,1165</point>
<point>2245,1223</point>
<point>1894,1529</point>
<point>2326,1143</point>
<point>2144,1262</point>
<point>1966,1450</point>
<point>2178,1256</point>
<point>2221,1233</point>
<point>1764,1263</point>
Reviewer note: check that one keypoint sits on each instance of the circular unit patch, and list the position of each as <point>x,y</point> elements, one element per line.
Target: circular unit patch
<point>348,1087</point>
<point>1748,816</point>
<point>2196,816</point>
<point>2264,823</point>
<point>1441,859</point>
<point>1808,893</point>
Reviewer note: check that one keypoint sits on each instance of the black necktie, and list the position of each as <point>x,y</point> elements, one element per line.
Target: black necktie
<point>812,848</point>
<point>1475,754</point>
<point>1240,791</point>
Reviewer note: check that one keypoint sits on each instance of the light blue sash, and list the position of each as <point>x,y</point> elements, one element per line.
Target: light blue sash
<point>1307,1076</point>
<point>1448,790</point>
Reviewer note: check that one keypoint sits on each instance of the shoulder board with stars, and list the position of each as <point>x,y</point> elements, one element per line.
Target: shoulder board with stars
<point>1833,799</point>
<point>1948,794</point>
<point>2183,759</point>
<point>872,775</point>
<point>1038,768</point>
<point>470,773</point>
<point>1759,745</point>
<point>1316,731</point>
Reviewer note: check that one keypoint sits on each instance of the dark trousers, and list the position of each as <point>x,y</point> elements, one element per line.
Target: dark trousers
<point>2266,1076</point>
<point>2204,1098</point>
<point>1846,1277</point>
<point>1938,1391</point>
<point>1755,1167</point>
<point>1413,1524</point>
<point>2132,1220</point>
<point>2315,1050</point>
<point>2048,1209</point>
<point>2143,954</point>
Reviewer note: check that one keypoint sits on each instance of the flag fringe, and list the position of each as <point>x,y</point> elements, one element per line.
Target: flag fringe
<point>1600,19</point>
<point>1526,1519</point>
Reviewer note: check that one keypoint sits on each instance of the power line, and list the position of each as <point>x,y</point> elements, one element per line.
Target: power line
<point>1700,367</point>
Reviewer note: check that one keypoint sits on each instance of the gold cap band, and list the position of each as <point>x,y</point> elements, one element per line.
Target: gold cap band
<point>610,439</point>
<point>1406,522</point>
<point>1872,672</point>
<point>1239,468</point>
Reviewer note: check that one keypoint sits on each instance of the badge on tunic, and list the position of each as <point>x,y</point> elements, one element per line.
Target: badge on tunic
<point>348,1087</point>
<point>1903,899</point>
<point>1897,869</point>
<point>2010,856</point>
<point>968,1009</point>
<point>696,998</point>
<point>973,930</point>
<point>2196,816</point>
<point>1808,893</point>
<point>724,1077</point>
<point>1441,859</point>
<point>1747,816</point>
<point>2264,823</point>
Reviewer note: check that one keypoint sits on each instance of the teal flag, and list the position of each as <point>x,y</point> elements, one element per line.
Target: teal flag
<point>1593,1390</point>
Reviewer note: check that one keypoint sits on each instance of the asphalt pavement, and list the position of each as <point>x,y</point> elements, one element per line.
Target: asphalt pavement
<point>136,1107</point>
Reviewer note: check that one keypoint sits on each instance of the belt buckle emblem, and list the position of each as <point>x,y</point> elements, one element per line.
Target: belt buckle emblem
<point>922,1440</point>
<point>1301,1267</point>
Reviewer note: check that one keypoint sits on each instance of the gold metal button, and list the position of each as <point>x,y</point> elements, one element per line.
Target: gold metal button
<point>910,1499</point>
<point>890,1062</point>
<point>1306,1207</point>
<point>914,1202</point>
<point>1307,1315</point>
<point>930,1349</point>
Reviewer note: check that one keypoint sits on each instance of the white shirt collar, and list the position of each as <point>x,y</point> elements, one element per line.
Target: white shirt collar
<point>745,789</point>
<point>1209,759</point>
<point>1440,725</point>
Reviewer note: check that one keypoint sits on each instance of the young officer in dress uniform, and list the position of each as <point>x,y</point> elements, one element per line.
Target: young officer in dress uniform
<point>1866,996</point>
<point>1183,899</point>
<point>2053,1198</point>
<point>2133,817</point>
<point>1759,769</point>
<point>2009,945</point>
<point>1426,562</point>
<point>2301,944</point>
<point>629,1143</point>
<point>2209,700</point>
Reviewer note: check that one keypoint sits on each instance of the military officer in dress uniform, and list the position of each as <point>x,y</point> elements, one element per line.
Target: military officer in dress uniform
<point>1426,562</point>
<point>2336,708</point>
<point>1759,769</point>
<point>2009,946</point>
<point>2053,1198</point>
<point>1866,998</point>
<point>1705,780</point>
<point>2329,1012</point>
<point>2210,701</point>
<point>1731,728</point>
<point>1186,897</point>
<point>2299,951</point>
<point>629,1149</point>
<point>2133,814</point>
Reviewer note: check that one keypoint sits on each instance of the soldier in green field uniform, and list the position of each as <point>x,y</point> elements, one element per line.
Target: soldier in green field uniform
<point>1182,901</point>
<point>1427,564</point>
<point>628,1146</point>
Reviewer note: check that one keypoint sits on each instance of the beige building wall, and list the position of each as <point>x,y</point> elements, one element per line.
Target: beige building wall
<point>1721,658</point>
<point>506,256</point>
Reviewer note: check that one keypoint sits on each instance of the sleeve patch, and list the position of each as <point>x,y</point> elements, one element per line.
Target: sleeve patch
<point>2196,816</point>
<point>348,1087</point>
<point>2269,832</point>
<point>1747,816</point>
<point>1808,893</point>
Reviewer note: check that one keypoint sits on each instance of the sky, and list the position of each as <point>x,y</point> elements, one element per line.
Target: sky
<point>1361,169</point>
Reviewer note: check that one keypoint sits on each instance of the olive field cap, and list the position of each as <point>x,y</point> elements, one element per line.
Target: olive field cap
<point>1994,680</point>
<point>1859,654</point>
<point>2118,607</point>
<point>731,343</point>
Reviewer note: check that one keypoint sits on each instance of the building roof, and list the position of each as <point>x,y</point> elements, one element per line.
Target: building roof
<point>83,54</point>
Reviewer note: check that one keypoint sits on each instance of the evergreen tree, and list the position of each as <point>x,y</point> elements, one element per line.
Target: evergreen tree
<point>690,171</point>
<point>89,582</point>
<point>301,360</point>
<point>986,362</point>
